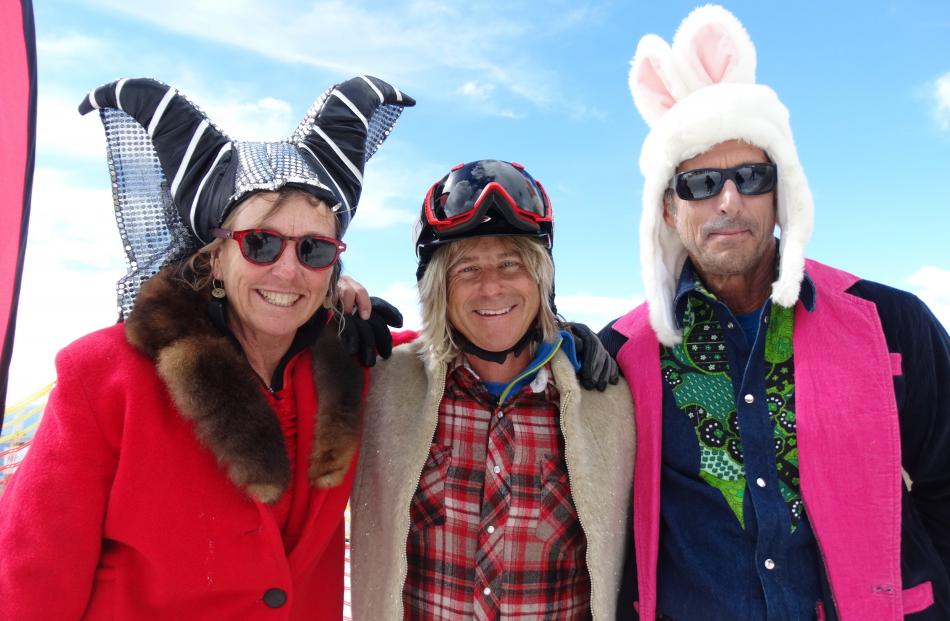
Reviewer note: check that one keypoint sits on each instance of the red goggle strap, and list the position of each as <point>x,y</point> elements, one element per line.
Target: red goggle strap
<point>548,208</point>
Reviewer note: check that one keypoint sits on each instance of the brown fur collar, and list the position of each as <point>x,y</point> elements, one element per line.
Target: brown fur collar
<point>214,387</point>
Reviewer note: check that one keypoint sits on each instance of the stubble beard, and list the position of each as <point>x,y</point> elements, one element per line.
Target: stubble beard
<point>731,262</point>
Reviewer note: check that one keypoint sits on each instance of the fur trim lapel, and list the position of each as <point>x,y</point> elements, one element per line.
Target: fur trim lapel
<point>340,384</point>
<point>213,386</point>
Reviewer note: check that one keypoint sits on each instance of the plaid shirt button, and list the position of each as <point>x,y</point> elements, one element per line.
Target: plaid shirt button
<point>497,469</point>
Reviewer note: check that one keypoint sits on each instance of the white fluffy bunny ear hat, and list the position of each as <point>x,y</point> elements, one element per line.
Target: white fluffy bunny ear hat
<point>694,95</point>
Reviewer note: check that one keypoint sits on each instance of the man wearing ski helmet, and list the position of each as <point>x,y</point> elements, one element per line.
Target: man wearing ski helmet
<point>490,485</point>
<point>777,398</point>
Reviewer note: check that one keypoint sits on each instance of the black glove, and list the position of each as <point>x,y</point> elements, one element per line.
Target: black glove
<point>597,367</point>
<point>364,338</point>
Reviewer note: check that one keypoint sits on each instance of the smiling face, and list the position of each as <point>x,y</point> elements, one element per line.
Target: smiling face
<point>492,299</point>
<point>268,303</point>
<point>729,234</point>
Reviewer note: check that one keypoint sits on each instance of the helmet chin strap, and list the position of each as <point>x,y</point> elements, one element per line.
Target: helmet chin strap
<point>498,357</point>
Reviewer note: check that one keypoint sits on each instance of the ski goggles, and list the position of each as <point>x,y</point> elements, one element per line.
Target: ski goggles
<point>703,183</point>
<point>459,202</point>
<point>263,247</point>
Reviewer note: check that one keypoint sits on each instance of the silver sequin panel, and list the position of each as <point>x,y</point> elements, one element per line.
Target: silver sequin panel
<point>152,232</point>
<point>269,166</point>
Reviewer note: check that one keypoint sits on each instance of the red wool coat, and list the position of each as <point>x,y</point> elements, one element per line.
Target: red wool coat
<point>120,512</point>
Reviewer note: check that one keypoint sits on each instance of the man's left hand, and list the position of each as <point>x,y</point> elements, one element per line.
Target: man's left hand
<point>365,338</point>
<point>597,367</point>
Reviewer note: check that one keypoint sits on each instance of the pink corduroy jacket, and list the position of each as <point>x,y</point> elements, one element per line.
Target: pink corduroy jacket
<point>840,352</point>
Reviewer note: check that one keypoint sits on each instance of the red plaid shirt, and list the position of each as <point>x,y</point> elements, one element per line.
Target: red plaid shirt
<point>494,532</point>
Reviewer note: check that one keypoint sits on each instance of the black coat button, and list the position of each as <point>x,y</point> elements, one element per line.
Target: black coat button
<point>275,598</point>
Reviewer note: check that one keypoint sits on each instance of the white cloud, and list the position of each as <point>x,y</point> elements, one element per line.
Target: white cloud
<point>510,114</point>
<point>941,92</point>
<point>482,97</point>
<point>428,44</point>
<point>70,222</point>
<point>375,210</point>
<point>574,15</point>
<point>73,261</point>
<point>60,130</point>
<point>932,285</point>
<point>375,214</point>
<point>405,297</point>
<point>266,119</point>
<point>69,47</point>
<point>582,111</point>
<point>594,310</point>
<point>477,90</point>
<point>292,31</point>
<point>388,180</point>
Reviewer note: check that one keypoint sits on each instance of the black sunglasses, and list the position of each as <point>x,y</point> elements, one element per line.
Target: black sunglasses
<point>263,247</point>
<point>702,183</point>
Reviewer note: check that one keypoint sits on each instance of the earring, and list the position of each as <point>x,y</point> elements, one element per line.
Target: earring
<point>217,289</point>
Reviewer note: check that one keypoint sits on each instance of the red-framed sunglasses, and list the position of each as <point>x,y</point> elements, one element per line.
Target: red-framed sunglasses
<point>459,201</point>
<point>263,247</point>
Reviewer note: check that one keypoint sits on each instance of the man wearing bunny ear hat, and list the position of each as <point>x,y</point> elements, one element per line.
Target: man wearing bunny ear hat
<point>777,399</point>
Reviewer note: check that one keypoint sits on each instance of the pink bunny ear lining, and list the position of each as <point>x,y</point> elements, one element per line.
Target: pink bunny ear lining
<point>650,91</point>
<point>714,53</point>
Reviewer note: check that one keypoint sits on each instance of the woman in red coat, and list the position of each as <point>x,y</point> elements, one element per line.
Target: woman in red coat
<point>194,461</point>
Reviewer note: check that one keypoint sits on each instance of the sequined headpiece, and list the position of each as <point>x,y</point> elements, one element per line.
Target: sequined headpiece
<point>175,176</point>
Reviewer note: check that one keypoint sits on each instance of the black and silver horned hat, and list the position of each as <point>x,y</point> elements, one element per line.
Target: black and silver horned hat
<point>176,176</point>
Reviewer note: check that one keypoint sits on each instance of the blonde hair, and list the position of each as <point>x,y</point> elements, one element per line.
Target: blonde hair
<point>196,270</point>
<point>434,296</point>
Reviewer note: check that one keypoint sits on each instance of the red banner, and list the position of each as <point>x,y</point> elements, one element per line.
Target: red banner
<point>17,143</point>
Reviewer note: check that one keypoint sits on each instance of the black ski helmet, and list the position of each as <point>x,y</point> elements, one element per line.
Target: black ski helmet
<point>479,199</point>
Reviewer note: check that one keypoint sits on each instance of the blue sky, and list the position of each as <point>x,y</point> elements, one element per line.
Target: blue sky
<point>541,83</point>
